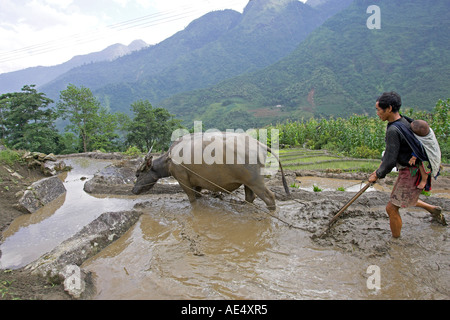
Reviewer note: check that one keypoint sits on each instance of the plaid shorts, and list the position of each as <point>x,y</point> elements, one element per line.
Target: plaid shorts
<point>405,193</point>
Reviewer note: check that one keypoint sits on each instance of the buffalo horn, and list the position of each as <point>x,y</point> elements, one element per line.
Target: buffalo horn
<point>149,154</point>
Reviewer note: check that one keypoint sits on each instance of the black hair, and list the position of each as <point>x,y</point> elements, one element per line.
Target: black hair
<point>388,99</point>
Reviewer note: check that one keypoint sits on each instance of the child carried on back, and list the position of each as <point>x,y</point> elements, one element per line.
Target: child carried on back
<point>426,136</point>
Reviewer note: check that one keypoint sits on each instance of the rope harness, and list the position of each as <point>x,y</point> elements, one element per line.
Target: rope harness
<point>256,206</point>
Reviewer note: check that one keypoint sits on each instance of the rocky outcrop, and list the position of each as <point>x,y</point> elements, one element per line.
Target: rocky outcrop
<point>95,155</point>
<point>89,241</point>
<point>41,193</point>
<point>48,163</point>
<point>114,179</point>
<point>119,179</point>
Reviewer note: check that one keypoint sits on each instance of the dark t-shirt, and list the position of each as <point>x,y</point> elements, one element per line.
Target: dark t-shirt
<point>397,150</point>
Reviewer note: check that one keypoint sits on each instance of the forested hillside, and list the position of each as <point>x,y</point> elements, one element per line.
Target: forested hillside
<point>338,70</point>
<point>215,47</point>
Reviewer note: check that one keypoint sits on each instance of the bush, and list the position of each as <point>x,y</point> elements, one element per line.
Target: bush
<point>132,151</point>
<point>365,152</point>
<point>10,157</point>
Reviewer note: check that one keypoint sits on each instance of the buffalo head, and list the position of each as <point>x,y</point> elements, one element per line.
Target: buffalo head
<point>146,179</point>
<point>150,171</point>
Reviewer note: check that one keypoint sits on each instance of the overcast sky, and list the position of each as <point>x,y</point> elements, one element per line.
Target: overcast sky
<point>50,32</point>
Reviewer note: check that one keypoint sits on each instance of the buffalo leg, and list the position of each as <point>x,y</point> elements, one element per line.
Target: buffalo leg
<point>249,195</point>
<point>197,192</point>
<point>183,180</point>
<point>266,195</point>
<point>190,193</point>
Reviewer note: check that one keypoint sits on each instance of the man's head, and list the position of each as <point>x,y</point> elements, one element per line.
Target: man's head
<point>390,99</point>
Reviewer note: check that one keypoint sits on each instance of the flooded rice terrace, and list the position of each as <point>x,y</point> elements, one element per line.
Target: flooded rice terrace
<point>225,249</point>
<point>32,235</point>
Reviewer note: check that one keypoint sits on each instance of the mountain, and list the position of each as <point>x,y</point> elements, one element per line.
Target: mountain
<point>14,81</point>
<point>215,47</point>
<point>338,70</point>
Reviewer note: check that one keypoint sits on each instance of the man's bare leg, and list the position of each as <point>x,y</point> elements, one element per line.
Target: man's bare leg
<point>435,211</point>
<point>395,221</point>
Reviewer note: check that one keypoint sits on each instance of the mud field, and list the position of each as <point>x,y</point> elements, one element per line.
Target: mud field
<point>223,248</point>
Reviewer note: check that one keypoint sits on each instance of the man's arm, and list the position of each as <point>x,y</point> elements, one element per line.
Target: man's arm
<point>389,160</point>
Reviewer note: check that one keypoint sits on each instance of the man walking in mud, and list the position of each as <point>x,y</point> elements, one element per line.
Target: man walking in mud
<point>398,153</point>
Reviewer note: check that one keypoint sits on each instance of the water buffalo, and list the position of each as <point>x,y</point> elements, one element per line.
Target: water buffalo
<point>215,161</point>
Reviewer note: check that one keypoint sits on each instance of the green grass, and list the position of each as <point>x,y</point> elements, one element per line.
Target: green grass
<point>307,160</point>
<point>304,159</point>
<point>10,157</point>
<point>299,151</point>
<point>316,189</point>
<point>353,166</point>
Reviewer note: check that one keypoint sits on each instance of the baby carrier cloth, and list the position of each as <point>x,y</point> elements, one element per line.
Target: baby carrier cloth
<point>425,148</point>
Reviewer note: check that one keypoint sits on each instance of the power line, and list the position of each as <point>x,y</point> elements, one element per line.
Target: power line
<point>143,22</point>
<point>83,38</point>
<point>86,37</point>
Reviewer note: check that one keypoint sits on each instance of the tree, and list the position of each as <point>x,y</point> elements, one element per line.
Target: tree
<point>441,119</point>
<point>105,136</point>
<point>27,121</point>
<point>69,143</point>
<point>81,107</point>
<point>4,107</point>
<point>150,126</point>
<point>441,127</point>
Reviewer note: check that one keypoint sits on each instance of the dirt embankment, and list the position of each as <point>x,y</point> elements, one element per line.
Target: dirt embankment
<point>20,284</point>
<point>13,181</point>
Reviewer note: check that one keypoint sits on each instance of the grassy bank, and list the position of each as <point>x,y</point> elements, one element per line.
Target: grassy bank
<point>323,160</point>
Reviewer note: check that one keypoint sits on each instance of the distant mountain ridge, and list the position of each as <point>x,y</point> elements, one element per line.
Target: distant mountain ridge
<point>215,47</point>
<point>14,81</point>
<point>339,70</point>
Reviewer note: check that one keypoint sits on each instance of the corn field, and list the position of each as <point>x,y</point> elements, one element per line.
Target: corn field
<point>360,136</point>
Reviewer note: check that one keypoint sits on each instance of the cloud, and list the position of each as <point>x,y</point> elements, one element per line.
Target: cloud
<point>122,3</point>
<point>36,14</point>
<point>59,3</point>
<point>48,32</point>
<point>31,27</point>
<point>164,5</point>
<point>144,3</point>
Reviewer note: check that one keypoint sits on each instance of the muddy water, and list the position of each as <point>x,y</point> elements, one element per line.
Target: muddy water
<point>307,183</point>
<point>214,252</point>
<point>329,184</point>
<point>223,249</point>
<point>30,236</point>
<point>220,250</point>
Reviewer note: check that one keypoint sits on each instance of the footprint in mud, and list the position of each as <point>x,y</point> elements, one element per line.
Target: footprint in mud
<point>308,215</point>
<point>194,242</point>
